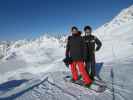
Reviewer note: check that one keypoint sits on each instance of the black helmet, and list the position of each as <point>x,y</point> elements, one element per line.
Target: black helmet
<point>87,27</point>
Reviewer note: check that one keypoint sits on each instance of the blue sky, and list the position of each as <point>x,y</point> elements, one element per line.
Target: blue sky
<point>31,18</point>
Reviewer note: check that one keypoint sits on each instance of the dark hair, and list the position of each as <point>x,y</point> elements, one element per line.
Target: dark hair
<point>74,27</point>
<point>87,27</point>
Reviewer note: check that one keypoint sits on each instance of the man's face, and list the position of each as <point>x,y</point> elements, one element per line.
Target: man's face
<point>74,31</point>
<point>88,31</point>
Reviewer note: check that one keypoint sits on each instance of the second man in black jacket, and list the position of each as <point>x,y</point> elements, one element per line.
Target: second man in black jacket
<point>92,44</point>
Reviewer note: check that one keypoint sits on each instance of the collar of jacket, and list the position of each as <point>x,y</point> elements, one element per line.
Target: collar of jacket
<point>75,35</point>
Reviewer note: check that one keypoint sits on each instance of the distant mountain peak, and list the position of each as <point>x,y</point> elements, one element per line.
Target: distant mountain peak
<point>124,17</point>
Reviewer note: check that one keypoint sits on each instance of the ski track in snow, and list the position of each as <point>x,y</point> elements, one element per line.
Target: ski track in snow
<point>53,87</point>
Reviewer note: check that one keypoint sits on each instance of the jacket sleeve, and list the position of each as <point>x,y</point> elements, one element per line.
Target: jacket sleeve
<point>98,43</point>
<point>68,47</point>
<point>85,52</point>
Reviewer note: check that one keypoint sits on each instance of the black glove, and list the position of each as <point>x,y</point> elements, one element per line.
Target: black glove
<point>67,60</point>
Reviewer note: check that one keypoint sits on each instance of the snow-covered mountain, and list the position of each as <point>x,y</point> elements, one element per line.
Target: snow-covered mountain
<point>125,16</point>
<point>117,36</point>
<point>37,67</point>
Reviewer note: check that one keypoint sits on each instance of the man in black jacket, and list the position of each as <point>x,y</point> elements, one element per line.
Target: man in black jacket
<point>74,51</point>
<point>92,44</point>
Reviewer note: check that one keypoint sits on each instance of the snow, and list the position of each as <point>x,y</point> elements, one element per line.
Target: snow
<point>117,36</point>
<point>39,62</point>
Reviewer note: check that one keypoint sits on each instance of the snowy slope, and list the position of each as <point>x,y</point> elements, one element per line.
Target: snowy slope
<point>37,68</point>
<point>41,55</point>
<point>117,36</point>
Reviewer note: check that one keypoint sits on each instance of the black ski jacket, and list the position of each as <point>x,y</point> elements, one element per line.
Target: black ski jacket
<point>92,44</point>
<point>75,47</point>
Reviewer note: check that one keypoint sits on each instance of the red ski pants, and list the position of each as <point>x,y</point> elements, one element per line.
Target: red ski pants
<point>81,67</point>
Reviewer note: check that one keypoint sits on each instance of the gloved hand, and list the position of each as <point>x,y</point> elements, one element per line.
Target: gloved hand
<point>65,60</point>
